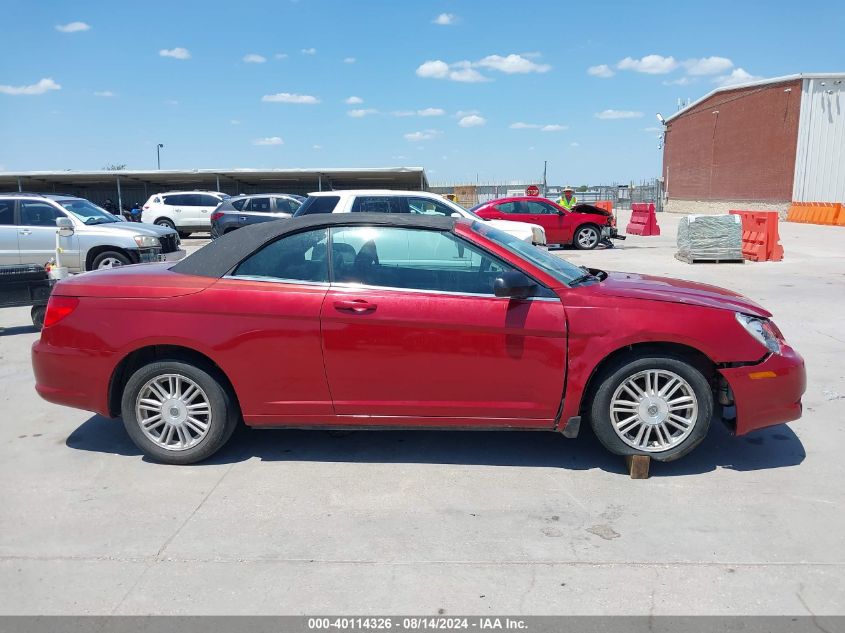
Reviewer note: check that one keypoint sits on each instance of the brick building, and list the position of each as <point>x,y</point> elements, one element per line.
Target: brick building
<point>758,145</point>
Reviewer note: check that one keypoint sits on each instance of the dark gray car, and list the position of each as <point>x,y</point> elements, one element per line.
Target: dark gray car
<point>243,210</point>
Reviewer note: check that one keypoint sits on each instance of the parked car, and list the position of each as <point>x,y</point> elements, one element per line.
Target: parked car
<point>415,202</point>
<point>584,227</point>
<point>238,211</point>
<point>186,211</point>
<point>408,320</point>
<point>99,239</point>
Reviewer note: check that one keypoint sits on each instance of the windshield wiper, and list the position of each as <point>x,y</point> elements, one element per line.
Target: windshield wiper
<point>95,220</point>
<point>587,276</point>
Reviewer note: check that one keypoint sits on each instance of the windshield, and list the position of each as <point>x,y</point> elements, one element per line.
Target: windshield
<point>560,269</point>
<point>88,212</point>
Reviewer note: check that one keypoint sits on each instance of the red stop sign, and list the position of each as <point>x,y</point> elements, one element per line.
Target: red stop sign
<point>532,190</point>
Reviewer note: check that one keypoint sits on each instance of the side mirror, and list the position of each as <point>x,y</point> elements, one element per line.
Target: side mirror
<point>514,284</point>
<point>65,227</point>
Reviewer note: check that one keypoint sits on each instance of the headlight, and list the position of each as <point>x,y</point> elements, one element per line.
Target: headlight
<point>538,235</point>
<point>145,241</point>
<point>763,330</point>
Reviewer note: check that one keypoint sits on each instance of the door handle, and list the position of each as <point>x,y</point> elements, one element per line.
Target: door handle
<point>358,306</point>
<point>25,232</point>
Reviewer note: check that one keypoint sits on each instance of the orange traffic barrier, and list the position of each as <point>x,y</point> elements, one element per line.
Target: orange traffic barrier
<point>827,213</point>
<point>760,236</point>
<point>607,205</point>
<point>643,220</point>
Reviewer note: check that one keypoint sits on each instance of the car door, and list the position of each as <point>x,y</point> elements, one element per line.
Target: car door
<point>537,212</point>
<point>267,327</point>
<point>421,338</point>
<point>204,206</point>
<point>37,235</point>
<point>9,252</point>
<point>178,209</point>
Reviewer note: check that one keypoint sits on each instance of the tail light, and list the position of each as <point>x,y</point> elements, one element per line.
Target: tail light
<point>58,307</point>
<point>216,216</point>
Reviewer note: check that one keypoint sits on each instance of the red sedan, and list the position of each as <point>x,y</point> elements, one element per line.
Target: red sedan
<point>364,320</point>
<point>584,227</point>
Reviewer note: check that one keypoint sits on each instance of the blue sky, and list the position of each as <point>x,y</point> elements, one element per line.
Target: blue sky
<point>464,88</point>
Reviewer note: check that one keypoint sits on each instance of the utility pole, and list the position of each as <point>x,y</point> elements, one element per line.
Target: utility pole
<point>545,165</point>
<point>159,146</point>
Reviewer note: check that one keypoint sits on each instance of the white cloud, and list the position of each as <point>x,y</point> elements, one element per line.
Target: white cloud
<point>349,60</point>
<point>650,64</point>
<point>281,55</point>
<point>73,27</point>
<point>459,71</point>
<point>362,112</point>
<point>234,122</point>
<point>618,114</point>
<point>512,63</point>
<point>445,19</point>
<point>175,53</point>
<point>431,112</point>
<point>317,146</point>
<point>254,58</point>
<point>435,69</point>
<point>104,93</point>
<point>403,113</point>
<point>287,97</point>
<point>172,102</point>
<point>472,120</point>
<point>549,127</point>
<point>467,75</point>
<point>738,76</point>
<point>652,129</point>
<point>353,100</point>
<point>269,140</point>
<point>309,51</point>
<point>424,135</point>
<point>602,70</point>
<point>574,144</point>
<point>680,81</point>
<point>708,65</point>
<point>33,89</point>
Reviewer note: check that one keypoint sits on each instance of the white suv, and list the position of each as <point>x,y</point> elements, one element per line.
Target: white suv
<point>419,202</point>
<point>185,211</point>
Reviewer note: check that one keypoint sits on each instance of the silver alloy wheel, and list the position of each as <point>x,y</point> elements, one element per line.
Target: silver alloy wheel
<point>173,411</point>
<point>588,237</point>
<point>109,262</point>
<point>654,410</point>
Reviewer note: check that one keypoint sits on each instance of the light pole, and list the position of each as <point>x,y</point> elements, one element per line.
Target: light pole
<point>159,147</point>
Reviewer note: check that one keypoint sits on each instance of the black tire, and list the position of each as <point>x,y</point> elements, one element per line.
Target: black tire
<point>165,222</point>
<point>184,234</point>
<point>613,376</point>
<point>224,411</point>
<point>587,237</point>
<point>110,259</point>
<point>37,313</point>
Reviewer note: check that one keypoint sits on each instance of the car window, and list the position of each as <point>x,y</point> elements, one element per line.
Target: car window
<point>524,207</point>
<point>379,204</point>
<point>298,257</point>
<point>318,204</point>
<point>540,208</point>
<point>87,211</point>
<point>39,214</point>
<point>427,206</point>
<point>175,200</point>
<point>239,203</point>
<point>286,205</point>
<point>414,259</point>
<point>7,212</point>
<point>258,204</point>
<point>206,200</point>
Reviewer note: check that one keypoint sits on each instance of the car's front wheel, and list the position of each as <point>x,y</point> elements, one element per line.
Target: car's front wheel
<point>109,259</point>
<point>178,413</point>
<point>652,405</point>
<point>587,237</point>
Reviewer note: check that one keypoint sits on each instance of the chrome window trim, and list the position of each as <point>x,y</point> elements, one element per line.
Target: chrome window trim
<point>276,280</point>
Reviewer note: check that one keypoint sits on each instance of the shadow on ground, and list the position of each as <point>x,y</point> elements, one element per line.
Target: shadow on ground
<point>18,329</point>
<point>776,447</point>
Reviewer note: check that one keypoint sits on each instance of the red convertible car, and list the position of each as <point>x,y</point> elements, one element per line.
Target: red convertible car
<point>584,227</point>
<point>373,320</point>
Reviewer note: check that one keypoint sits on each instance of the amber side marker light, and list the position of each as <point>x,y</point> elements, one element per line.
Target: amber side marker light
<point>759,375</point>
<point>58,308</point>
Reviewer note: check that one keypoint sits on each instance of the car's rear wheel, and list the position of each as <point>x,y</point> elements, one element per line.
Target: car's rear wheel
<point>165,222</point>
<point>587,237</point>
<point>178,413</point>
<point>109,259</point>
<point>652,405</point>
<point>37,314</point>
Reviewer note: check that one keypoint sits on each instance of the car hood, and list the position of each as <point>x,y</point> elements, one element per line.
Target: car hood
<point>149,281</point>
<point>128,229</point>
<point>634,286</point>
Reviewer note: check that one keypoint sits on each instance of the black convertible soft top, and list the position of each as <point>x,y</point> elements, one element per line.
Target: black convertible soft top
<point>220,256</point>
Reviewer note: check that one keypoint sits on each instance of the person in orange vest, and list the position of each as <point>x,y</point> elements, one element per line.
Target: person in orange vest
<point>567,200</point>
